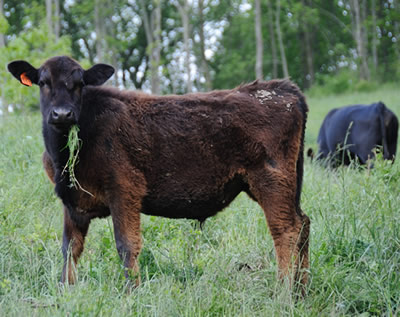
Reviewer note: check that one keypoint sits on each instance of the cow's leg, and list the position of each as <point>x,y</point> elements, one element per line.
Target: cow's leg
<point>72,247</point>
<point>275,191</point>
<point>126,219</point>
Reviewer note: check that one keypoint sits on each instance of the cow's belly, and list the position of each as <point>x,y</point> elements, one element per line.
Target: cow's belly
<point>192,203</point>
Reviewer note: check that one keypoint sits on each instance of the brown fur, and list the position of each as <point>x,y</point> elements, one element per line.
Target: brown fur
<point>173,156</point>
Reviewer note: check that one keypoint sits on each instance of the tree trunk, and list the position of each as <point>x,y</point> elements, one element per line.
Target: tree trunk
<point>308,49</point>
<point>57,19</point>
<point>204,63</point>
<point>280,40</point>
<point>364,32</point>
<point>259,40</point>
<point>359,38</point>
<point>49,16</point>
<point>183,9</point>
<point>152,27</point>
<point>374,36</point>
<point>2,36</point>
<point>157,48</point>
<point>99,34</point>
<point>396,5</point>
<point>272,40</point>
<point>3,104</point>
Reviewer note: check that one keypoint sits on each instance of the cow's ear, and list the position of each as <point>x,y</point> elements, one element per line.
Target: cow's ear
<point>97,74</point>
<point>24,72</point>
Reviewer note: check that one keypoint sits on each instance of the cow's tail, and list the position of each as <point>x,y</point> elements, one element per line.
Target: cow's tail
<point>302,105</point>
<point>385,145</point>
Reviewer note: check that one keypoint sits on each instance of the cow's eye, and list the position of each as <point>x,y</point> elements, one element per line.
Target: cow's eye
<point>43,83</point>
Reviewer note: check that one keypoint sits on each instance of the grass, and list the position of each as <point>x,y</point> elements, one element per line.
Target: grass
<point>229,268</point>
<point>74,144</point>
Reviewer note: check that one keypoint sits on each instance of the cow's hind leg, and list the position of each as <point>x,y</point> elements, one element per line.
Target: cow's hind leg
<point>275,191</point>
<point>72,247</point>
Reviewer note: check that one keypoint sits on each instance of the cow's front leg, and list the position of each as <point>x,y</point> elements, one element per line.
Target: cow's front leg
<point>126,220</point>
<point>72,247</point>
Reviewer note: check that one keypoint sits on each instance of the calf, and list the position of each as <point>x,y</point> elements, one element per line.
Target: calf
<point>355,131</point>
<point>173,156</point>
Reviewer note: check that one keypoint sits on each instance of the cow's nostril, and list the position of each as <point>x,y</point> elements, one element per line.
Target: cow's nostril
<point>68,114</point>
<point>55,114</point>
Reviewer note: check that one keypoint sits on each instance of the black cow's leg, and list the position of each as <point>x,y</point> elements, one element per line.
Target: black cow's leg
<point>73,241</point>
<point>275,191</point>
<point>126,219</point>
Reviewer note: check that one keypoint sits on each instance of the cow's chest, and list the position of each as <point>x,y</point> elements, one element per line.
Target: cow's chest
<point>82,200</point>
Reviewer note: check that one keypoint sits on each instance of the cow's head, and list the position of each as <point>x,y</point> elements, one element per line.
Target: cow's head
<point>61,80</point>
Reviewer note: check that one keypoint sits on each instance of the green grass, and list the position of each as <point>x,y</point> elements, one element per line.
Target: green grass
<point>74,144</point>
<point>229,268</point>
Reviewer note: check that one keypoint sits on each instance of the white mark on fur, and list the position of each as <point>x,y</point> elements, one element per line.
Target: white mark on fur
<point>262,95</point>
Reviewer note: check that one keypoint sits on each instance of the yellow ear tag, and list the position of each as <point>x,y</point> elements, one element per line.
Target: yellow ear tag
<point>25,80</point>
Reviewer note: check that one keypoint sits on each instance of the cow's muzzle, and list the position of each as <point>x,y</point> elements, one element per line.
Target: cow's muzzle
<point>62,118</point>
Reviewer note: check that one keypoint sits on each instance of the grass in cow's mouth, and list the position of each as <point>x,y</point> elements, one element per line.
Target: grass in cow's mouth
<point>74,144</point>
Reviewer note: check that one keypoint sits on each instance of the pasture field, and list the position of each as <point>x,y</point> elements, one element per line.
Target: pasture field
<point>229,268</point>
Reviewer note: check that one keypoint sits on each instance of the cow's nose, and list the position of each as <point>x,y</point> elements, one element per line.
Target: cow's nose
<point>61,115</point>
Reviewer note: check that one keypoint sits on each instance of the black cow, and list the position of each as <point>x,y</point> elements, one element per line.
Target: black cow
<point>173,156</point>
<point>354,132</point>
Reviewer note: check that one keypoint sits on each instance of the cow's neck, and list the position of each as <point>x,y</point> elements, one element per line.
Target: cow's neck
<point>56,146</point>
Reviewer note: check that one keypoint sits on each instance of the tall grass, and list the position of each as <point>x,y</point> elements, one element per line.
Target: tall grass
<point>228,268</point>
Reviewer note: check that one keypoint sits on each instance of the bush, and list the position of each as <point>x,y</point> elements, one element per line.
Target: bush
<point>342,82</point>
<point>333,84</point>
<point>365,86</point>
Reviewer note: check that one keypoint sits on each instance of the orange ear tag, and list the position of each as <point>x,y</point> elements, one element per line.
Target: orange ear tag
<point>25,80</point>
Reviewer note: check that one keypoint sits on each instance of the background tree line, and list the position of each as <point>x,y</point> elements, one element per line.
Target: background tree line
<point>181,46</point>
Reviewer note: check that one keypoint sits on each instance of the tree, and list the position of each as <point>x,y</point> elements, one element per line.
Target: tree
<point>280,39</point>
<point>259,39</point>
<point>99,27</point>
<point>397,27</point>
<point>202,57</point>
<point>359,37</point>
<point>49,16</point>
<point>272,40</point>
<point>306,28</point>
<point>3,25</point>
<point>152,25</point>
<point>57,19</point>
<point>3,30</point>
<point>184,11</point>
<point>374,36</point>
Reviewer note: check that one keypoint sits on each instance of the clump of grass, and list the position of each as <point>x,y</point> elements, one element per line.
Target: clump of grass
<point>74,145</point>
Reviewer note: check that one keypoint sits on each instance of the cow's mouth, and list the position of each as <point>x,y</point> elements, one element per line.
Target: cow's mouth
<point>61,126</point>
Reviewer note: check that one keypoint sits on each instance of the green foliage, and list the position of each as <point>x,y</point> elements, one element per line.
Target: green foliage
<point>229,33</point>
<point>340,83</point>
<point>343,82</point>
<point>3,24</point>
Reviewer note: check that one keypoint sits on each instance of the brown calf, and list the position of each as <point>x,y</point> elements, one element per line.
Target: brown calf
<point>173,156</point>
